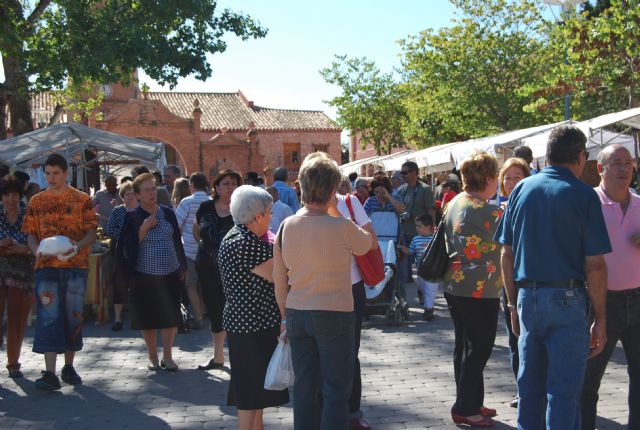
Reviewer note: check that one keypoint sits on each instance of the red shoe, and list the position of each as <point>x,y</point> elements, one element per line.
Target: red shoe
<point>486,412</point>
<point>481,423</point>
<point>359,424</point>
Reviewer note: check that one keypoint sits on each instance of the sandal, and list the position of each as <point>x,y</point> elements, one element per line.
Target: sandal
<point>168,365</point>
<point>211,365</point>
<point>153,366</point>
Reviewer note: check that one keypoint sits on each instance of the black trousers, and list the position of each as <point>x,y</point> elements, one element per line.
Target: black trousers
<point>359,303</point>
<point>475,322</point>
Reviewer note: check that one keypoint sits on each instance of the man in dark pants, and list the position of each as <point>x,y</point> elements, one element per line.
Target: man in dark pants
<point>555,238</point>
<point>621,210</point>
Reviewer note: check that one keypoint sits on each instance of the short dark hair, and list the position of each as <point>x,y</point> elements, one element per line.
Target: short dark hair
<point>57,160</point>
<point>353,176</point>
<point>565,144</point>
<point>220,177</point>
<point>280,174</point>
<point>22,177</point>
<point>425,219</point>
<point>381,182</point>
<point>126,179</point>
<point>11,184</point>
<point>139,170</point>
<point>4,170</point>
<point>411,165</point>
<point>175,169</point>
<point>454,185</point>
<point>524,152</point>
<point>199,181</point>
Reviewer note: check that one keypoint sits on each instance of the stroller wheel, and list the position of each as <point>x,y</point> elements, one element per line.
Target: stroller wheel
<point>390,315</point>
<point>397,316</point>
<point>405,311</point>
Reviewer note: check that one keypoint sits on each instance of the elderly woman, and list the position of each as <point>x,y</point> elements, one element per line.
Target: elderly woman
<point>472,285</point>
<point>382,201</point>
<point>150,249</point>
<point>213,222</point>
<point>113,230</point>
<point>513,171</point>
<point>344,187</point>
<point>16,271</point>
<point>312,262</point>
<point>251,317</point>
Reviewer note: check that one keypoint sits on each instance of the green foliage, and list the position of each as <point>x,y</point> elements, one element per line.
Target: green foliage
<point>48,43</point>
<point>371,102</point>
<point>597,57</point>
<point>469,80</point>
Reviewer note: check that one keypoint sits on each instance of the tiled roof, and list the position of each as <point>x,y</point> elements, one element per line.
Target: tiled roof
<point>232,111</point>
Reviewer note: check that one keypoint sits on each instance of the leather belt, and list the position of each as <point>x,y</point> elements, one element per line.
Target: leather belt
<point>569,283</point>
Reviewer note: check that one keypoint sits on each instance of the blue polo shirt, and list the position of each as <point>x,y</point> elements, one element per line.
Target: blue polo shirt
<point>553,221</point>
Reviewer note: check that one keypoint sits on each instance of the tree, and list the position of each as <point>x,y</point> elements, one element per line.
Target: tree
<point>601,52</point>
<point>50,44</point>
<point>371,102</point>
<point>467,80</point>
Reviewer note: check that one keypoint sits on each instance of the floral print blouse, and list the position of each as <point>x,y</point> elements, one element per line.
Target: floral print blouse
<point>475,268</point>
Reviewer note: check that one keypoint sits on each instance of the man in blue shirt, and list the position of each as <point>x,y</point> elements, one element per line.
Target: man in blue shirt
<point>554,238</point>
<point>286,193</point>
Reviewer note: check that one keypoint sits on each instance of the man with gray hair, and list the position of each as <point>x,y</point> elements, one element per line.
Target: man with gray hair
<point>286,193</point>
<point>554,239</point>
<point>105,200</point>
<point>621,211</point>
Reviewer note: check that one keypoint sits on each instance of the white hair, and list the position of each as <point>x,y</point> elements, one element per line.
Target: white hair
<point>247,202</point>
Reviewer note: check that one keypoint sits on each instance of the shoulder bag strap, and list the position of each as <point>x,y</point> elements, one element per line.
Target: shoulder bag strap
<point>348,201</point>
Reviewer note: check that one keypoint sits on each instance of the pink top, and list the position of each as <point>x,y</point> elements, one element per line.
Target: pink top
<point>623,270</point>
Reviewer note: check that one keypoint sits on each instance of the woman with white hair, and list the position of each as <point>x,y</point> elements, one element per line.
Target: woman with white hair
<point>312,271</point>
<point>251,316</point>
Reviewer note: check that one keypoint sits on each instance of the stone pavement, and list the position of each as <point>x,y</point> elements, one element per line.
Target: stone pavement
<point>407,378</point>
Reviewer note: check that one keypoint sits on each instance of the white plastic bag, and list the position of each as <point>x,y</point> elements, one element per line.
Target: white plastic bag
<point>280,371</point>
<point>55,245</point>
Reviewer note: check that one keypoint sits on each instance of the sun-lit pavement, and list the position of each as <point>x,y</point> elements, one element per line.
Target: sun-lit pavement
<point>407,378</point>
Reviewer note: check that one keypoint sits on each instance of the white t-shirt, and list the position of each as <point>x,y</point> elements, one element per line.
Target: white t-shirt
<point>361,220</point>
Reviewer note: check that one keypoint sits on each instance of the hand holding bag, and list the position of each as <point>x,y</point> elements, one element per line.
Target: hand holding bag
<point>435,259</point>
<point>280,374</point>
<point>371,264</point>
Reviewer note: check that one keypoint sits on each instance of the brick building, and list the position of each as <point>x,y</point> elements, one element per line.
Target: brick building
<point>212,131</point>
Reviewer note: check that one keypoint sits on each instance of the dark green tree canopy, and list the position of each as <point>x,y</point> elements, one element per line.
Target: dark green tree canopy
<point>51,43</point>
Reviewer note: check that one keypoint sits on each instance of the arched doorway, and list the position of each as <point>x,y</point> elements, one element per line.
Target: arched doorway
<point>171,154</point>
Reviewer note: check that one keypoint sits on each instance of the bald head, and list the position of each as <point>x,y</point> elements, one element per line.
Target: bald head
<point>615,166</point>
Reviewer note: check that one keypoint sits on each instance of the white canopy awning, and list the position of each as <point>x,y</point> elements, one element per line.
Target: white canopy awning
<point>354,166</point>
<point>590,128</point>
<point>70,140</point>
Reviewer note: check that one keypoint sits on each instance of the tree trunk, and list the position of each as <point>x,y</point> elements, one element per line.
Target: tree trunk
<point>16,86</point>
<point>3,116</point>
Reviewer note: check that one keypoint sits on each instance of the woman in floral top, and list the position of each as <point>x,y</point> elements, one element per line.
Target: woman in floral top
<point>472,284</point>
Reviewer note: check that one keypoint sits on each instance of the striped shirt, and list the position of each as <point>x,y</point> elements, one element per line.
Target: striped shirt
<point>186,214</point>
<point>419,244</point>
<point>373,205</point>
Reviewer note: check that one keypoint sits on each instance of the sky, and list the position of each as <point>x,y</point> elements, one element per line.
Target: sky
<point>282,70</point>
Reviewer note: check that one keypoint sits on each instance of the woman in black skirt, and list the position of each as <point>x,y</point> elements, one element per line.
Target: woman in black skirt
<point>150,249</point>
<point>213,222</point>
<point>251,316</point>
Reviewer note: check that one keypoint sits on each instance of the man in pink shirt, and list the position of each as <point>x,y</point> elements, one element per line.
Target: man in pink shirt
<point>621,210</point>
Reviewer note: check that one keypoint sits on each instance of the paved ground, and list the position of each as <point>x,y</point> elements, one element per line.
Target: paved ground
<point>407,378</point>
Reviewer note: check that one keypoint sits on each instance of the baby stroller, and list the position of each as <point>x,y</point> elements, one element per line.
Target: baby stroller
<point>383,298</point>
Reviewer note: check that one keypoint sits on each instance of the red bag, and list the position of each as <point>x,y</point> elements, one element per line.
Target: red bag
<point>371,264</point>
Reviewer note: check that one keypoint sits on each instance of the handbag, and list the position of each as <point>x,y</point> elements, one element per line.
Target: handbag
<point>435,259</point>
<point>371,264</point>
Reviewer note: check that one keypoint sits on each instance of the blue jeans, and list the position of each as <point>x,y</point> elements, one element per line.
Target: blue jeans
<point>59,307</point>
<point>553,349</point>
<point>623,323</point>
<point>323,355</point>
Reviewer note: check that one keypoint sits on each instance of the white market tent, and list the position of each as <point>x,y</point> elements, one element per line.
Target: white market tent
<point>594,130</point>
<point>71,140</point>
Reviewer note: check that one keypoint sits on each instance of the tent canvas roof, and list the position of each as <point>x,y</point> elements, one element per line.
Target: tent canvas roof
<point>70,140</point>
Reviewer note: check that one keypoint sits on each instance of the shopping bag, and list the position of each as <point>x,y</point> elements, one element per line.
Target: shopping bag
<point>280,371</point>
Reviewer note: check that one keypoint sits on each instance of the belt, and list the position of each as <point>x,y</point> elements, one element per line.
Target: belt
<point>630,292</point>
<point>569,283</point>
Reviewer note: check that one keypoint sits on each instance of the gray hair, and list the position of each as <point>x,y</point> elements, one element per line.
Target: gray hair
<point>247,202</point>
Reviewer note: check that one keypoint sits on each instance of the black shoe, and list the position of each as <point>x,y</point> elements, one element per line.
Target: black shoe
<point>428,314</point>
<point>117,326</point>
<point>70,376</point>
<point>16,373</point>
<point>48,382</point>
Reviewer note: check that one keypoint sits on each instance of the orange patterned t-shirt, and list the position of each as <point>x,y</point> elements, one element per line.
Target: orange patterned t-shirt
<point>68,214</point>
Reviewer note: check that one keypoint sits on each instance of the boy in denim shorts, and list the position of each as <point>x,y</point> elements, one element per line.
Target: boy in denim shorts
<point>60,280</point>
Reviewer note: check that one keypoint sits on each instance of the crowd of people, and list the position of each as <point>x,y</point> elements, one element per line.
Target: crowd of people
<point>261,263</point>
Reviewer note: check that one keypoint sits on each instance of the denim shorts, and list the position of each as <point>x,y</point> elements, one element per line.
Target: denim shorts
<point>59,306</point>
